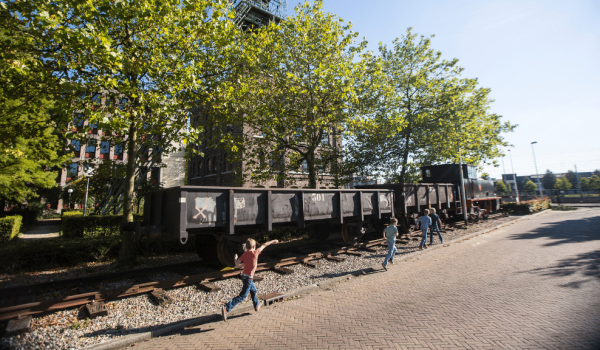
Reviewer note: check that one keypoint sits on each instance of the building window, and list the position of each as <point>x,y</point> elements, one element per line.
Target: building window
<point>427,173</point>
<point>76,145</point>
<point>200,167</point>
<point>214,170</point>
<point>91,147</point>
<point>118,149</point>
<point>72,170</point>
<point>325,138</point>
<point>209,165</point>
<point>155,175</point>
<point>78,120</point>
<point>304,167</point>
<point>104,147</point>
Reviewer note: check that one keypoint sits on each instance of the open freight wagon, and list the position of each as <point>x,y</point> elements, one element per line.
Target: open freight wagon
<point>222,218</point>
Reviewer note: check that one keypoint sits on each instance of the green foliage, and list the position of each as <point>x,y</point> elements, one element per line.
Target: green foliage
<point>525,180</point>
<point>75,225</point>
<point>563,184</point>
<point>9,228</point>
<point>300,84</point>
<point>501,187</point>
<point>527,207</point>
<point>530,187</point>
<point>485,176</point>
<point>571,177</point>
<point>49,253</point>
<point>30,146</point>
<point>132,68</point>
<point>28,216</point>
<point>429,113</point>
<point>549,180</point>
<point>585,184</point>
<point>563,208</point>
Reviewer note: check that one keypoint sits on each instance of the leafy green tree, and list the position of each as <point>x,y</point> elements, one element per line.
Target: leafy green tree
<point>585,184</point>
<point>530,187</point>
<point>501,187</point>
<point>485,176</point>
<point>296,93</point>
<point>133,68</point>
<point>430,112</point>
<point>597,172</point>
<point>549,180</point>
<point>31,148</point>
<point>594,183</point>
<point>525,180</point>
<point>563,184</point>
<point>571,177</point>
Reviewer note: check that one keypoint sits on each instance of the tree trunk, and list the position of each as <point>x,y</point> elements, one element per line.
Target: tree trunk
<point>404,157</point>
<point>312,174</point>
<point>130,175</point>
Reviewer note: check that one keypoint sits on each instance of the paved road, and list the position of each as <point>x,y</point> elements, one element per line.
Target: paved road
<point>532,285</point>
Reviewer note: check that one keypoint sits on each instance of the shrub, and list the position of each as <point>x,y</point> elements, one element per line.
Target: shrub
<point>527,207</point>
<point>49,253</point>
<point>28,216</point>
<point>73,224</point>
<point>9,228</point>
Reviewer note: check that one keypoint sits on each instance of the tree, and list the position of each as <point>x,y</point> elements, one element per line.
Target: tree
<point>295,95</point>
<point>530,187</point>
<point>597,172</point>
<point>595,183</point>
<point>549,180</point>
<point>485,176</point>
<point>428,115</point>
<point>501,187</point>
<point>133,68</point>
<point>571,177</point>
<point>562,184</point>
<point>31,148</point>
<point>525,180</point>
<point>585,184</point>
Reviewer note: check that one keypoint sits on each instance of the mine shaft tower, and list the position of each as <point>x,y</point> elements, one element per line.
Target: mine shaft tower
<point>257,13</point>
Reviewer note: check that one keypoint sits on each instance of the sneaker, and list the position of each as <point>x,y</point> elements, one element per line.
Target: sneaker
<point>392,261</point>
<point>224,313</point>
<point>384,267</point>
<point>420,247</point>
<point>258,307</point>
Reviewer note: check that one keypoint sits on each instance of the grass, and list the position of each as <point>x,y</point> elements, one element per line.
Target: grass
<point>562,208</point>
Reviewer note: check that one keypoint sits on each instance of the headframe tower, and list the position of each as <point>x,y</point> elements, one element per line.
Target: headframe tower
<point>257,13</point>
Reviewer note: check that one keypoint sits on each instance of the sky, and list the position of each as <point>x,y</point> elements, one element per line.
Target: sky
<point>540,58</point>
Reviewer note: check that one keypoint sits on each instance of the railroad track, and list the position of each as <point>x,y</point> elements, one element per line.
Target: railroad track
<point>93,300</point>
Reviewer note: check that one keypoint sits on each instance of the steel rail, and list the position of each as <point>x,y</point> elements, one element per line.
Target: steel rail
<point>38,308</point>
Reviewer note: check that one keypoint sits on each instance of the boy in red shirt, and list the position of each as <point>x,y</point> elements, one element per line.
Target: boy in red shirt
<point>250,259</point>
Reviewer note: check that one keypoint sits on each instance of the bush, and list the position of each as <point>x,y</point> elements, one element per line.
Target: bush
<point>28,216</point>
<point>73,224</point>
<point>49,253</point>
<point>9,228</point>
<point>527,207</point>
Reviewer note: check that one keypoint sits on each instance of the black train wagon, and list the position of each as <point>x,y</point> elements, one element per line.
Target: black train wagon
<point>222,218</point>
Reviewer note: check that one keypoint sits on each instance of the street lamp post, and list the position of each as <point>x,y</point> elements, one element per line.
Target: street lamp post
<point>536,170</point>
<point>87,174</point>
<point>70,190</point>
<point>462,186</point>
<point>514,175</point>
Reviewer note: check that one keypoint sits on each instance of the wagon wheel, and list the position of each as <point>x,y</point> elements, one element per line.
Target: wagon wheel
<point>352,234</point>
<point>206,248</point>
<point>226,249</point>
<point>319,232</point>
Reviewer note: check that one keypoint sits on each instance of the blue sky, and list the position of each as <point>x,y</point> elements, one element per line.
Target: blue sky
<point>541,59</point>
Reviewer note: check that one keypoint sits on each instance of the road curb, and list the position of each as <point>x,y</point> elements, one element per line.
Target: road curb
<point>130,339</point>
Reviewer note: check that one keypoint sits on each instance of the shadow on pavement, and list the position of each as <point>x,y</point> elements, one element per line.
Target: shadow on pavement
<point>586,264</point>
<point>570,231</point>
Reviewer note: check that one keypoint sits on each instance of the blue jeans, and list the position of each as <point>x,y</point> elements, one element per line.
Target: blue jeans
<point>390,254</point>
<point>424,240</point>
<point>439,234</point>
<point>248,287</point>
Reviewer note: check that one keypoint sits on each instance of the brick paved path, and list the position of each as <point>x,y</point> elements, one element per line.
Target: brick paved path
<point>532,285</point>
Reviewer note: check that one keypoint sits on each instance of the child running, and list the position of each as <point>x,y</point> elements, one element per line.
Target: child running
<point>424,222</point>
<point>436,224</point>
<point>390,233</point>
<point>249,259</point>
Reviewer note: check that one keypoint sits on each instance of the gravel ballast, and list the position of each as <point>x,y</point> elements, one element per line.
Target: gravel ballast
<point>70,329</point>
